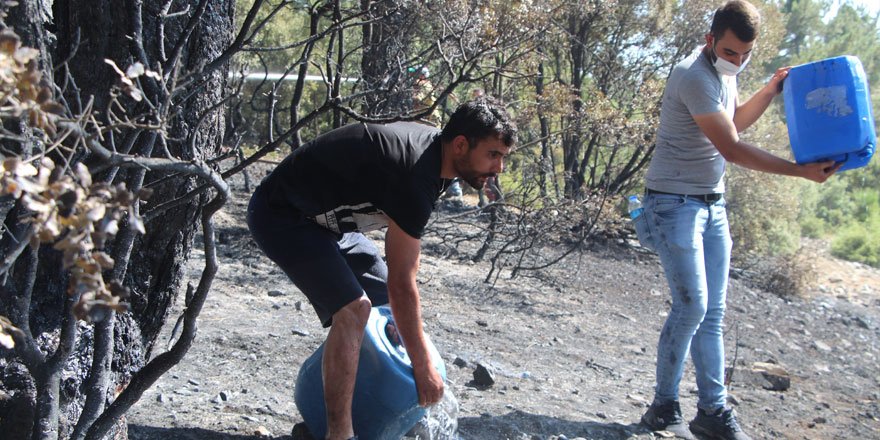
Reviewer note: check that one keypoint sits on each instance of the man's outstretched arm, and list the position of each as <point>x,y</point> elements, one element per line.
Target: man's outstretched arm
<point>720,129</point>
<point>402,252</point>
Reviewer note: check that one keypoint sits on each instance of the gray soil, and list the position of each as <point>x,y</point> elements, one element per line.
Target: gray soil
<point>572,349</point>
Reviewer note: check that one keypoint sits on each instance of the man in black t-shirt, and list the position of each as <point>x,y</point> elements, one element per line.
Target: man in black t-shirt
<point>310,213</point>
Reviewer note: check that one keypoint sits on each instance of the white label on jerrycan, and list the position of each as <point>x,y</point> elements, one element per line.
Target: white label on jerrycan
<point>829,100</point>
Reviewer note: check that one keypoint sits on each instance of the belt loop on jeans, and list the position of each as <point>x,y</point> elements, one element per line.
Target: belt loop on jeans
<point>705,198</point>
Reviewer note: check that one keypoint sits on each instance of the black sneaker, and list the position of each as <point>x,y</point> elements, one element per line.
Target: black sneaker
<point>667,417</point>
<point>721,426</point>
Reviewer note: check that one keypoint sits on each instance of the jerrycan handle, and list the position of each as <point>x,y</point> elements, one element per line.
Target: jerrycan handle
<point>392,334</point>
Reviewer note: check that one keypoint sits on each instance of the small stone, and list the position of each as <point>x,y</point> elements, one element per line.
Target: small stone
<point>276,293</point>
<point>459,362</point>
<point>732,400</point>
<point>298,306</point>
<point>482,323</point>
<point>483,376</point>
<point>221,397</point>
<point>299,332</point>
<point>261,431</point>
<point>821,346</point>
<point>775,377</point>
<point>250,419</point>
<point>161,398</point>
<point>637,400</point>
<point>193,382</point>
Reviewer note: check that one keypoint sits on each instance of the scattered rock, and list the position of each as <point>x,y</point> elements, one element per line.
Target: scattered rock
<point>459,362</point>
<point>276,293</point>
<point>769,376</point>
<point>483,376</point>
<point>637,400</point>
<point>298,306</point>
<point>482,323</point>
<point>821,346</point>
<point>221,397</point>
<point>299,332</point>
<point>862,322</point>
<point>261,431</point>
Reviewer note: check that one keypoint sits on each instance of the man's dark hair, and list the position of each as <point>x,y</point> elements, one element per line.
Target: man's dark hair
<point>478,119</point>
<point>739,16</point>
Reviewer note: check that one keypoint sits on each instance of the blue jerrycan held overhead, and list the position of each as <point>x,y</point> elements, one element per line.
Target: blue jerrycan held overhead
<point>828,111</point>
<point>385,404</point>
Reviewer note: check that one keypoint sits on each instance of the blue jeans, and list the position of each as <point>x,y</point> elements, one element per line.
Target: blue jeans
<point>692,238</point>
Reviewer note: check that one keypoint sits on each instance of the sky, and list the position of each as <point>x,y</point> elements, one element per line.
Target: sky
<point>872,5</point>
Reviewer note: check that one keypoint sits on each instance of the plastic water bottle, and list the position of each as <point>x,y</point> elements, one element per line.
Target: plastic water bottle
<point>635,206</point>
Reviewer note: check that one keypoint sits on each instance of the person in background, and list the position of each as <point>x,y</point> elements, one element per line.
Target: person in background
<point>700,118</point>
<point>309,215</point>
<point>423,95</point>
<point>491,193</point>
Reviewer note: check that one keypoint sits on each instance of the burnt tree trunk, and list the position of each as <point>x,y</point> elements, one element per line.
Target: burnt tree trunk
<point>82,33</point>
<point>383,65</point>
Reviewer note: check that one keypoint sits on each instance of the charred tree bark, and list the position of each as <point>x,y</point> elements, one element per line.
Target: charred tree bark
<point>79,35</point>
<point>383,64</point>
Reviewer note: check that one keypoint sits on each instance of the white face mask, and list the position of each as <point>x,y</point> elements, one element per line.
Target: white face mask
<point>727,68</point>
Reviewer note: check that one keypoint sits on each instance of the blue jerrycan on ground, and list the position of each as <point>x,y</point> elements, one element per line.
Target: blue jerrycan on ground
<point>385,404</point>
<point>828,111</point>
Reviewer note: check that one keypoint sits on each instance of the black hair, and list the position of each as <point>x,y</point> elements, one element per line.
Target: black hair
<point>478,119</point>
<point>739,16</point>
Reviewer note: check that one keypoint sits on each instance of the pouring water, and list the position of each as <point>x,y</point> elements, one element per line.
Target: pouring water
<point>440,421</point>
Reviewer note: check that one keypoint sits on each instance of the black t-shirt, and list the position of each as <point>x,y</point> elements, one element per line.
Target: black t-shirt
<point>349,179</point>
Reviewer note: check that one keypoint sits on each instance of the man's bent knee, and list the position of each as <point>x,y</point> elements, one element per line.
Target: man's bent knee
<point>354,314</point>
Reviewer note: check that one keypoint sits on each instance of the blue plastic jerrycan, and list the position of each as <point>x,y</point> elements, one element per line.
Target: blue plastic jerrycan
<point>385,404</point>
<point>828,110</point>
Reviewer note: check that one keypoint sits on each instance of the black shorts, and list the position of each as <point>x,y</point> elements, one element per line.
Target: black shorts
<point>332,271</point>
